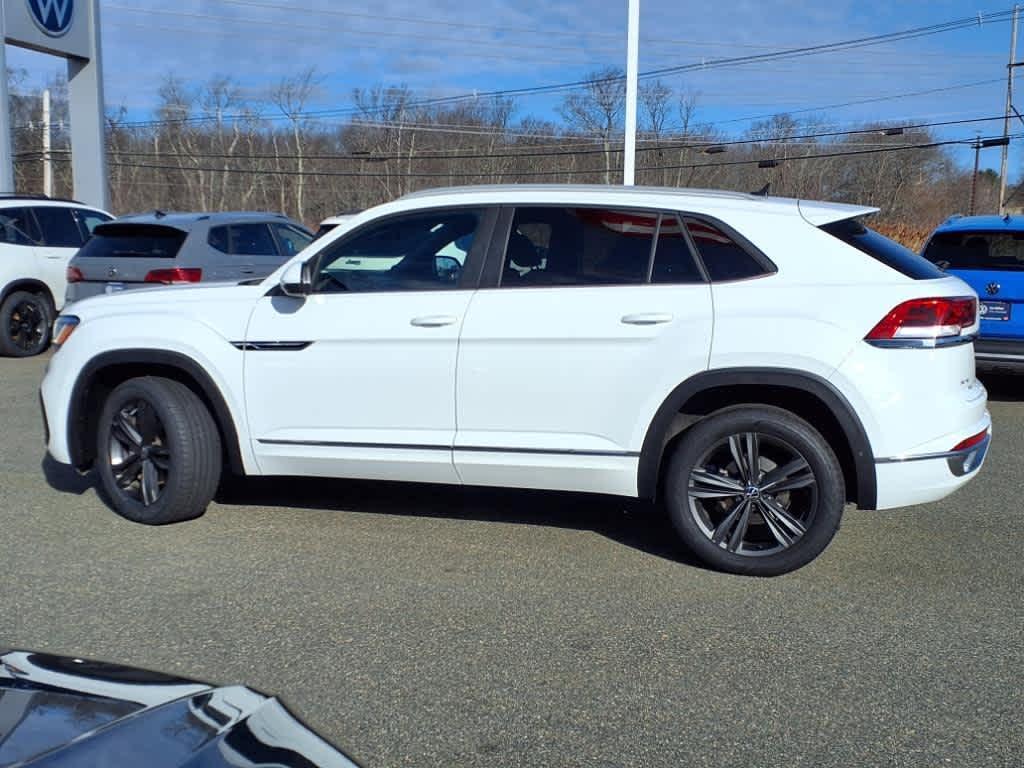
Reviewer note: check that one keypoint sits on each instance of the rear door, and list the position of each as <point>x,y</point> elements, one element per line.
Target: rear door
<point>59,240</point>
<point>992,263</point>
<point>596,316</point>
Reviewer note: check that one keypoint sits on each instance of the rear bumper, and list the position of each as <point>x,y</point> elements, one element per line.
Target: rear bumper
<point>922,478</point>
<point>999,353</point>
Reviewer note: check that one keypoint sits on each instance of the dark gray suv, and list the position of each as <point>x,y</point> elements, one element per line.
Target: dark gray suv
<point>165,248</point>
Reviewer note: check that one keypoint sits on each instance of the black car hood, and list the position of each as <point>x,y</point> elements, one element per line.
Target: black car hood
<point>59,711</point>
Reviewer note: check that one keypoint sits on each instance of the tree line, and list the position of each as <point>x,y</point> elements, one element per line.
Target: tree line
<point>213,146</point>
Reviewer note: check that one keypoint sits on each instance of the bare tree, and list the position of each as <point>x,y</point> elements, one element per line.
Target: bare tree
<point>598,109</point>
<point>291,96</point>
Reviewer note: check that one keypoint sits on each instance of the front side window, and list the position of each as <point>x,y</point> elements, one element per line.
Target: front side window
<point>977,250</point>
<point>17,227</point>
<point>292,238</point>
<point>578,246</point>
<point>417,252</point>
<point>723,258</point>
<point>58,227</point>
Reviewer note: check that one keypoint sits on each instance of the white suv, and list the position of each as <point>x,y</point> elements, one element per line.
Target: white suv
<point>38,237</point>
<point>755,363</point>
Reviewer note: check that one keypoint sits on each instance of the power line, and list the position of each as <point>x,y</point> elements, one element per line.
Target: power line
<point>803,51</point>
<point>547,173</point>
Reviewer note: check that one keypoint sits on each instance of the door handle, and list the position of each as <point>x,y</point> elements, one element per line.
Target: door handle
<point>647,318</point>
<point>434,321</point>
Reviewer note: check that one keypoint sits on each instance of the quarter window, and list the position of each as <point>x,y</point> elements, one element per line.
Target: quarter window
<point>723,258</point>
<point>578,246</point>
<point>420,252</point>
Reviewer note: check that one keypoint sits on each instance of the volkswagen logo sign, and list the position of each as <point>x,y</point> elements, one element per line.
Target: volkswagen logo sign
<point>53,17</point>
<point>992,289</point>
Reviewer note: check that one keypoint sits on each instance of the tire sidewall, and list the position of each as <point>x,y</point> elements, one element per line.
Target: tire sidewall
<point>7,345</point>
<point>776,423</point>
<point>124,504</point>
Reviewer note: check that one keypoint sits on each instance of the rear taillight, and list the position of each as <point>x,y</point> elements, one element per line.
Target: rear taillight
<point>926,322</point>
<point>175,275</point>
<point>74,275</point>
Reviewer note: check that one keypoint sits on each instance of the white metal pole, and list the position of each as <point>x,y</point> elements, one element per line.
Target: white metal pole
<point>632,72</point>
<point>47,161</point>
<point>6,158</point>
<point>1009,109</point>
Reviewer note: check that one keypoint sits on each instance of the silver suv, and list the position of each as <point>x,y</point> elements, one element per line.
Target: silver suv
<point>167,248</point>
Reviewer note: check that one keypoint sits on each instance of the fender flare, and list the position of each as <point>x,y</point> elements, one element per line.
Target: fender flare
<point>30,284</point>
<point>78,417</point>
<point>653,447</point>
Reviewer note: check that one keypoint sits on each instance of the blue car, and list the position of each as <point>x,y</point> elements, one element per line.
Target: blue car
<point>987,252</point>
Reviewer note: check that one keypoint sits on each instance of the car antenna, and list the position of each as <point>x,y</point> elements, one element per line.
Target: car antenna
<point>763,191</point>
<point>159,214</point>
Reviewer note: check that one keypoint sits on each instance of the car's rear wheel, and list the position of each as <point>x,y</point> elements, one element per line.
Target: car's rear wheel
<point>25,320</point>
<point>755,490</point>
<point>158,451</point>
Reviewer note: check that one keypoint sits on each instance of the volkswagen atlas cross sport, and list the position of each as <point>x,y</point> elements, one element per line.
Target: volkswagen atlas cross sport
<point>755,363</point>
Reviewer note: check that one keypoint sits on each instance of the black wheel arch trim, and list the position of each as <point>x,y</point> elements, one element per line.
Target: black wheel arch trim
<point>210,391</point>
<point>652,452</point>
<point>30,285</point>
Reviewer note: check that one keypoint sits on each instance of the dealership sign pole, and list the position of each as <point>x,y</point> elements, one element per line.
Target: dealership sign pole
<point>69,29</point>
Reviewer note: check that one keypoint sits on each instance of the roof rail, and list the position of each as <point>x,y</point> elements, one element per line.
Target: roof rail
<point>16,196</point>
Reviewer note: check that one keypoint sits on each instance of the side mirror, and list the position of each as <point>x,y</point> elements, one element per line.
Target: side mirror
<point>296,280</point>
<point>447,269</point>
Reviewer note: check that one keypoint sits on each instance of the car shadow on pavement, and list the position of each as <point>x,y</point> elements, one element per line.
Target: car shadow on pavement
<point>63,478</point>
<point>641,525</point>
<point>1003,387</point>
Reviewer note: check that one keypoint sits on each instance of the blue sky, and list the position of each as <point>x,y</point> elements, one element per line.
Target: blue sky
<point>444,47</point>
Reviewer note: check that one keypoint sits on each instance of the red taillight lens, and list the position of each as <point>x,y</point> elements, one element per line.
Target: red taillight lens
<point>927,319</point>
<point>971,441</point>
<point>175,275</point>
<point>74,275</point>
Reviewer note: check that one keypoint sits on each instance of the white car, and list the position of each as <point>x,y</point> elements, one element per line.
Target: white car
<point>755,363</point>
<point>38,237</point>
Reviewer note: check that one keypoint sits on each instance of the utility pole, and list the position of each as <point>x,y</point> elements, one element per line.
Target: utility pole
<point>1009,109</point>
<point>632,76</point>
<point>47,160</point>
<point>974,177</point>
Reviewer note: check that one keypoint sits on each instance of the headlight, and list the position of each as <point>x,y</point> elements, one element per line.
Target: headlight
<point>63,327</point>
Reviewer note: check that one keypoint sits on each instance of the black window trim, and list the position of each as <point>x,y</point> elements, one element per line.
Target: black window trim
<point>469,280</point>
<point>495,261</point>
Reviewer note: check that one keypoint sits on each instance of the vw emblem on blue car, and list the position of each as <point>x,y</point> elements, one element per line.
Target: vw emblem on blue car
<point>53,17</point>
<point>992,289</point>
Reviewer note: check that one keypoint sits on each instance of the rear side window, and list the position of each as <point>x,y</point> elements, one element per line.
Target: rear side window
<point>58,227</point>
<point>578,246</point>
<point>673,259</point>
<point>881,248</point>
<point>723,257</point>
<point>133,241</point>
<point>243,240</point>
<point>17,227</point>
<point>977,250</point>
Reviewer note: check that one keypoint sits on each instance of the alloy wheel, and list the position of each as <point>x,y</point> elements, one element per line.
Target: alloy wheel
<point>138,452</point>
<point>752,494</point>
<point>27,325</point>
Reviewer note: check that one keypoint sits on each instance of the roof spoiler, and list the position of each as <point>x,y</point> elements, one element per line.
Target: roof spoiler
<point>819,214</point>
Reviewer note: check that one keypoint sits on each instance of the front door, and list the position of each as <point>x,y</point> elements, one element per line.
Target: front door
<point>358,379</point>
<point>598,315</point>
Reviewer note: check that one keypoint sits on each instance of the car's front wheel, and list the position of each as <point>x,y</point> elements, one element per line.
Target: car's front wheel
<point>158,451</point>
<point>25,320</point>
<point>755,490</point>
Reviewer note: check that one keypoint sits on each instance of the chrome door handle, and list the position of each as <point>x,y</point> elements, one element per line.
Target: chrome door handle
<point>649,318</point>
<point>434,321</point>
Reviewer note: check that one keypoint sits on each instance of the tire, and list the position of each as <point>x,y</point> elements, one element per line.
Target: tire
<point>25,323</point>
<point>178,446</point>
<point>771,525</point>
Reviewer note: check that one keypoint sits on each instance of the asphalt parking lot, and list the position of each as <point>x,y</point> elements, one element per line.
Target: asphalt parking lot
<point>432,626</point>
